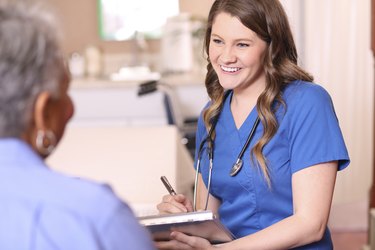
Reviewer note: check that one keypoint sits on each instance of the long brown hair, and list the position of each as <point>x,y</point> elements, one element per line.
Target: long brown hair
<point>268,20</point>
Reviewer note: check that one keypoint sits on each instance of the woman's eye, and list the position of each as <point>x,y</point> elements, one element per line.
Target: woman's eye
<point>218,41</point>
<point>242,45</point>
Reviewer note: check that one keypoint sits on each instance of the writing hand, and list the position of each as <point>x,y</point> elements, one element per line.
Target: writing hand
<point>175,204</point>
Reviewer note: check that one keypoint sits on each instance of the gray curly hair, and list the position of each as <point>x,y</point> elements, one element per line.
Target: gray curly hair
<point>30,62</point>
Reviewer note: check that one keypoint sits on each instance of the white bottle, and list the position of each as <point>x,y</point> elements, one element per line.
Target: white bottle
<point>76,65</point>
<point>94,62</point>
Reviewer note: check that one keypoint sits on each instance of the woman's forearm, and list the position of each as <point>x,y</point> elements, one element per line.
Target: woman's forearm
<point>291,232</point>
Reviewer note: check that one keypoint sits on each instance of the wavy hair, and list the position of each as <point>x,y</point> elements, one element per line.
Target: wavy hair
<point>269,21</point>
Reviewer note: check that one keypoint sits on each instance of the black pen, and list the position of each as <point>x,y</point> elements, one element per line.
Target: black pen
<point>167,185</point>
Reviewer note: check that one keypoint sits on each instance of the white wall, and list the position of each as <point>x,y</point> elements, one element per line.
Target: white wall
<point>295,11</point>
<point>337,52</point>
<point>333,41</point>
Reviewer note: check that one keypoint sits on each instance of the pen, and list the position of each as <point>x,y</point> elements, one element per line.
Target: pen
<point>167,185</point>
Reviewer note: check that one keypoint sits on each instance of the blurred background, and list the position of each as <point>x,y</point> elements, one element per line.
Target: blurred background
<point>138,85</point>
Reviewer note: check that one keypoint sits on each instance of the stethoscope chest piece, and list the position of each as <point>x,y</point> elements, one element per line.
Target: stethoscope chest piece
<point>236,167</point>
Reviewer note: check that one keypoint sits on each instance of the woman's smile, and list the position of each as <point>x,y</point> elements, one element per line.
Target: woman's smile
<point>229,69</point>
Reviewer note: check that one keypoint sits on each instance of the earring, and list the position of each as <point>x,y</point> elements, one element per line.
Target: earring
<point>45,141</point>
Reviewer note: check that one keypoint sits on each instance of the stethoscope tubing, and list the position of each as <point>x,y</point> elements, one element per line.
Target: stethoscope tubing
<point>237,166</point>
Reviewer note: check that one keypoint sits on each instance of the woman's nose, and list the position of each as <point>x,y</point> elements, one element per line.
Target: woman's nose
<point>228,55</point>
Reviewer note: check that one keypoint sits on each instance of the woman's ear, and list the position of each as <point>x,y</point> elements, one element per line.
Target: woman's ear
<point>42,111</point>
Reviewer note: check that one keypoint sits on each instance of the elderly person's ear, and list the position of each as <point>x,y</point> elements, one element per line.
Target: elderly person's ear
<point>44,112</point>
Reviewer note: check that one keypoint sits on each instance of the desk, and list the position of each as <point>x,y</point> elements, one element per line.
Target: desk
<point>130,159</point>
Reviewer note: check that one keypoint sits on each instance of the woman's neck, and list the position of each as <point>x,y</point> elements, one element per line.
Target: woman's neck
<point>244,100</point>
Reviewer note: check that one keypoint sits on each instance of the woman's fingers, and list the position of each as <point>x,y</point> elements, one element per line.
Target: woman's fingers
<point>185,201</point>
<point>181,241</point>
<point>171,245</point>
<point>193,242</point>
<point>172,204</point>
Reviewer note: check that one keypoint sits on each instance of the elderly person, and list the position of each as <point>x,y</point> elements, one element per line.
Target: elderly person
<point>40,208</point>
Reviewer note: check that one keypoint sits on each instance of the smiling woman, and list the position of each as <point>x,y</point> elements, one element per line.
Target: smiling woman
<point>122,19</point>
<point>289,164</point>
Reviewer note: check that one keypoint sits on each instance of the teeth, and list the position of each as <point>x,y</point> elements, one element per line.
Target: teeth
<point>229,69</point>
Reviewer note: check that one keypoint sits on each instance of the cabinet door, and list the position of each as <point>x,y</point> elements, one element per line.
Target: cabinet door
<point>116,106</point>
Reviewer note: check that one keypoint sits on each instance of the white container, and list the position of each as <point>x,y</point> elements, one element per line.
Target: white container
<point>77,65</point>
<point>94,61</point>
<point>176,44</point>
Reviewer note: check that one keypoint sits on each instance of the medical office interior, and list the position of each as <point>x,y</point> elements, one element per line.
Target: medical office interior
<point>137,95</point>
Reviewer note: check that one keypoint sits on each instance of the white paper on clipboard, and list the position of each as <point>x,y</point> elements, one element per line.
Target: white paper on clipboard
<point>203,224</point>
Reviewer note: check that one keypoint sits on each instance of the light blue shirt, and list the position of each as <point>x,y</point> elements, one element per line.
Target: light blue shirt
<point>308,134</point>
<point>42,209</point>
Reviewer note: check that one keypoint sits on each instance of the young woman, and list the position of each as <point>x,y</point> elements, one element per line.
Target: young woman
<point>271,134</point>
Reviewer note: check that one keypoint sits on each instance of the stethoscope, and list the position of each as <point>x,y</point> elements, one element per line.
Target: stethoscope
<point>237,166</point>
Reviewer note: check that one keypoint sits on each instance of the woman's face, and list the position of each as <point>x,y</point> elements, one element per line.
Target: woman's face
<point>236,53</point>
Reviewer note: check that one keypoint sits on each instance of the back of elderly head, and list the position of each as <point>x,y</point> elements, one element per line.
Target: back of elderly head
<point>34,104</point>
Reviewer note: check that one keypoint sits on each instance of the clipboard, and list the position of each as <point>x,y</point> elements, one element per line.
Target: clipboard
<point>202,223</point>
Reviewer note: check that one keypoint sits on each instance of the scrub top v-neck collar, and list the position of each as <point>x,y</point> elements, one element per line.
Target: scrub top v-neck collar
<point>227,116</point>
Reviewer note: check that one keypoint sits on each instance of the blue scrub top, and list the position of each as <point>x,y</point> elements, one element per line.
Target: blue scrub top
<point>308,134</point>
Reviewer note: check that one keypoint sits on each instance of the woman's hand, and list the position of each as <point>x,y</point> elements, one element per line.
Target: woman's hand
<point>175,204</point>
<point>181,241</point>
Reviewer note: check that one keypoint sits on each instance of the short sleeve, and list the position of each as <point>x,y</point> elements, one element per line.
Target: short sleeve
<point>314,133</point>
<point>124,232</point>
